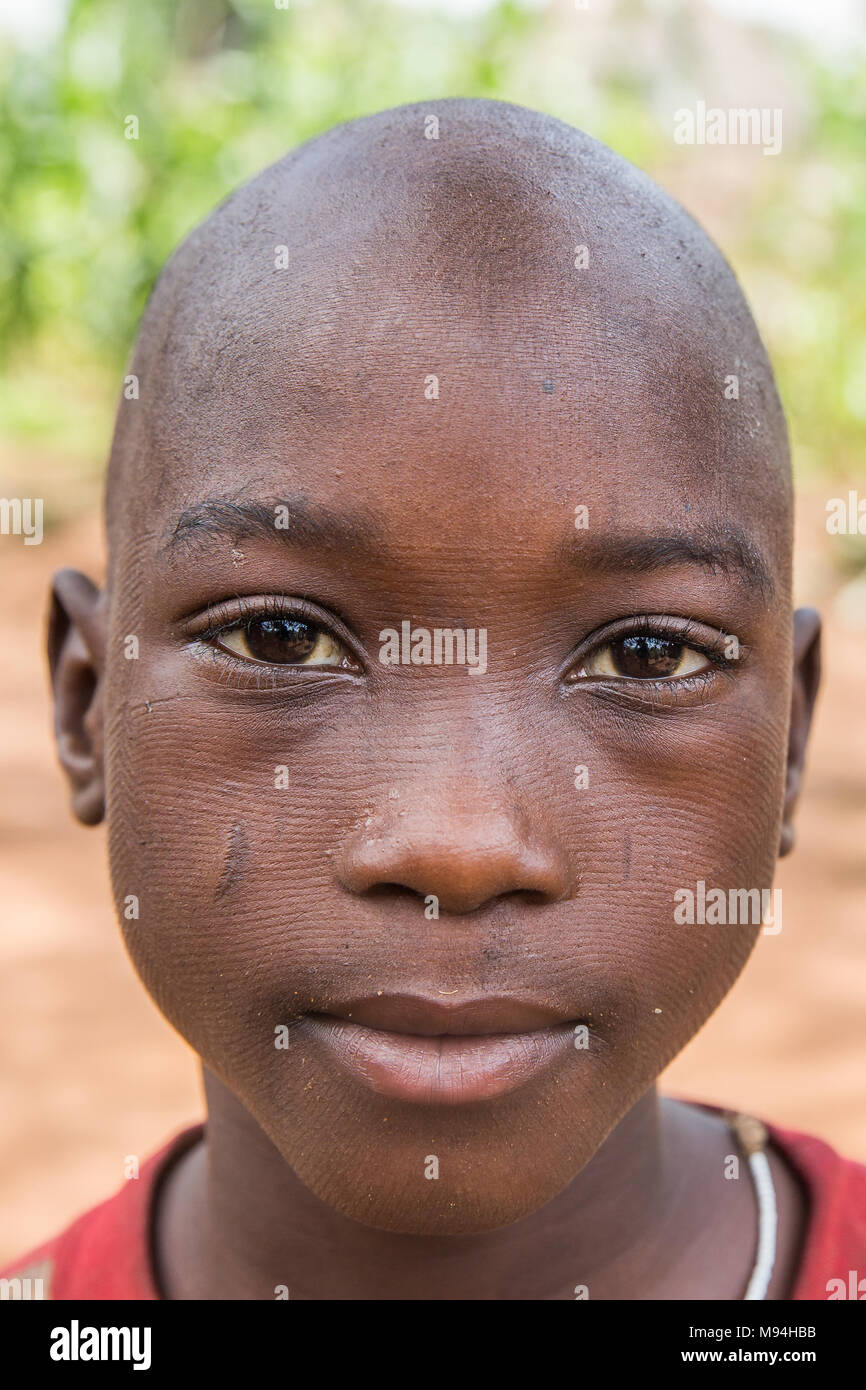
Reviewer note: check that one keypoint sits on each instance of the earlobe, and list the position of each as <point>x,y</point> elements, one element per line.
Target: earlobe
<point>76,656</point>
<point>804,689</point>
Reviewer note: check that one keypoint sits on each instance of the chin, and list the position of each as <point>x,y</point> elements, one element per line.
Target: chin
<point>478,1181</point>
<point>474,1209</point>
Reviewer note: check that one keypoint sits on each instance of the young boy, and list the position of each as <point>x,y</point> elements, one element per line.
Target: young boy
<point>452,520</point>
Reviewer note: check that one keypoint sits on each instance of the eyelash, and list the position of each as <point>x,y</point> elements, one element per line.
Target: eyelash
<point>229,617</point>
<point>687,632</point>
<point>221,621</point>
<point>662,692</point>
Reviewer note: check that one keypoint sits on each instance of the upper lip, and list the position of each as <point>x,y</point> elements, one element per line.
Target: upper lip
<point>435,1016</point>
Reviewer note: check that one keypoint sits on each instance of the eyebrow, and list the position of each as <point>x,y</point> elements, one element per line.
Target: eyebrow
<point>720,547</point>
<point>302,522</point>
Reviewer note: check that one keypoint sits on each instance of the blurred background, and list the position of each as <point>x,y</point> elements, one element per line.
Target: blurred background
<point>89,1072</point>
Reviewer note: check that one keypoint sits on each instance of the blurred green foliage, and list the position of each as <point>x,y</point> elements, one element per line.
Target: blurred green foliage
<point>222,87</point>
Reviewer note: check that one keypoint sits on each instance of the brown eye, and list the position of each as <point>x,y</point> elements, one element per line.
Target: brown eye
<point>285,641</point>
<point>644,656</point>
<point>280,639</point>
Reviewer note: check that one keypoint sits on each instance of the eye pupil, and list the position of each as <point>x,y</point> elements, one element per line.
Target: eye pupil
<point>280,639</point>
<point>646,655</point>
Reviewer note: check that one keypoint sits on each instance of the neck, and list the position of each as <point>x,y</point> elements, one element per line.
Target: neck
<point>237,1222</point>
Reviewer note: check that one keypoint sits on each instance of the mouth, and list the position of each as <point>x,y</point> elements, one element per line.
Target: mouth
<point>437,1052</point>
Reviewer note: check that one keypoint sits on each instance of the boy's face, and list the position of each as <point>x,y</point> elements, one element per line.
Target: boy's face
<point>289,810</point>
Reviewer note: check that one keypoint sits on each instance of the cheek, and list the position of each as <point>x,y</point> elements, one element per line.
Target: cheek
<point>679,806</point>
<point>226,855</point>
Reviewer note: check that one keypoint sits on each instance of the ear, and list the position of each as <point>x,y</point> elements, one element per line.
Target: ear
<point>77,630</point>
<point>807,675</point>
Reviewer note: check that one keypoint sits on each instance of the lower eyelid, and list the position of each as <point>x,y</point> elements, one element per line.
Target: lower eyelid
<point>246,673</point>
<point>689,692</point>
<point>212,642</point>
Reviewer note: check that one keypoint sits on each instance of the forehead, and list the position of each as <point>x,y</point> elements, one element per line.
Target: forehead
<point>395,404</point>
<point>502,324</point>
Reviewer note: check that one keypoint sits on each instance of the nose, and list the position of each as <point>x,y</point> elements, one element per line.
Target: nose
<point>460,848</point>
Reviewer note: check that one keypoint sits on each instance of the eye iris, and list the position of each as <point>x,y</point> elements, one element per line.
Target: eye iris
<point>280,639</point>
<point>647,656</point>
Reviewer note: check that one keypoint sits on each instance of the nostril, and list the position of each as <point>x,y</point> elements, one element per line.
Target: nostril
<point>532,897</point>
<point>523,897</point>
<point>391,890</point>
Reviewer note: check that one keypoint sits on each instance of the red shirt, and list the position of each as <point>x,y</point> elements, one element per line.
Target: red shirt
<point>107,1252</point>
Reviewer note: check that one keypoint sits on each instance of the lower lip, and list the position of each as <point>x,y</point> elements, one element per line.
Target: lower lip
<point>447,1070</point>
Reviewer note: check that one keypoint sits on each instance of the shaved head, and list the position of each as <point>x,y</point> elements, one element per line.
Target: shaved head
<point>320,289</point>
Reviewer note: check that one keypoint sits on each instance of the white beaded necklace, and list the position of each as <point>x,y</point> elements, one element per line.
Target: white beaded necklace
<point>752,1137</point>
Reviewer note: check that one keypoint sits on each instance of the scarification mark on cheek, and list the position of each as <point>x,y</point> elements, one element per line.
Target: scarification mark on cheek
<point>237,861</point>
